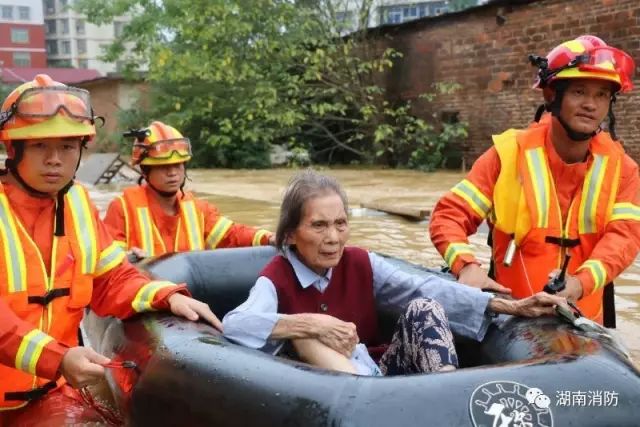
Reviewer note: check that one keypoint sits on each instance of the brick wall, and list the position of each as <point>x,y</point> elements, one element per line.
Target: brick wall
<point>485,50</point>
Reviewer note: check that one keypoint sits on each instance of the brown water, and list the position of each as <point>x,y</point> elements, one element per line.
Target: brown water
<point>253,197</point>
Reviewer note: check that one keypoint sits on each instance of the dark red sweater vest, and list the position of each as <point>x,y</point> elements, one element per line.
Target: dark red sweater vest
<point>348,297</point>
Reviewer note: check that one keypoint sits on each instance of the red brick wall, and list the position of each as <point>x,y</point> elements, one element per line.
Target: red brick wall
<point>35,46</point>
<point>490,61</point>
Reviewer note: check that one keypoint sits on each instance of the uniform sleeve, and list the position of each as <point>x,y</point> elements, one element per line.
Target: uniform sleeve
<point>461,210</point>
<point>116,223</point>
<point>27,348</point>
<point>620,242</point>
<point>120,289</point>
<point>221,232</point>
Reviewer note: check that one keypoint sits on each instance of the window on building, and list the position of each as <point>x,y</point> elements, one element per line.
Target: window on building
<point>52,47</point>
<point>19,35</point>
<point>50,6</point>
<point>117,28</point>
<point>51,26</point>
<point>66,47</point>
<point>24,12</point>
<point>80,26</point>
<point>21,59</point>
<point>65,26</point>
<point>83,63</point>
<point>403,13</point>
<point>82,46</point>
<point>7,12</point>
<point>63,4</point>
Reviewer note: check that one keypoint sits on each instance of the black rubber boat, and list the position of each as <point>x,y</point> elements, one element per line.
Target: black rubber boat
<point>542,372</point>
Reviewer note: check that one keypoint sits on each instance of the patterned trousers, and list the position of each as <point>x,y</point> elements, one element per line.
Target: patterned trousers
<point>422,341</point>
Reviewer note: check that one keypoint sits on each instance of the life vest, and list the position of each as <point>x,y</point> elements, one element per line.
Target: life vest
<point>52,302</point>
<point>142,232</point>
<point>526,210</point>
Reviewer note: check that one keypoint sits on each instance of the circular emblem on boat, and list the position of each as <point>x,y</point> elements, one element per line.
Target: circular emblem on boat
<point>509,404</point>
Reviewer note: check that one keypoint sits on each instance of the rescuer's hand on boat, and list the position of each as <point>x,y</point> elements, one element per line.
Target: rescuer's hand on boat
<point>82,366</point>
<point>474,275</point>
<point>573,288</point>
<point>540,304</point>
<point>189,308</point>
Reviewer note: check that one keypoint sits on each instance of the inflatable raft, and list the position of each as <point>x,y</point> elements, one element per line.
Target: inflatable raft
<point>543,372</point>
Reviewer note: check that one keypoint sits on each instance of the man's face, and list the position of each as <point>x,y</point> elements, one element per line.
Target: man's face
<point>49,164</point>
<point>585,104</point>
<point>167,178</point>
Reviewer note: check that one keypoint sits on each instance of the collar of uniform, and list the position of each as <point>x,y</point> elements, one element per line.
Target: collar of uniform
<point>305,275</point>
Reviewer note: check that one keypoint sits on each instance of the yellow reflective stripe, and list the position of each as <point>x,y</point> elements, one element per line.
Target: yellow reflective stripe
<point>591,194</point>
<point>597,270</point>
<point>537,165</point>
<point>12,249</point>
<point>144,298</point>
<point>257,237</point>
<point>191,223</point>
<point>218,232</point>
<point>145,224</point>
<point>473,196</point>
<point>112,256</point>
<point>625,210</point>
<point>125,212</point>
<point>454,250</point>
<point>85,231</point>
<point>123,245</point>
<point>30,350</point>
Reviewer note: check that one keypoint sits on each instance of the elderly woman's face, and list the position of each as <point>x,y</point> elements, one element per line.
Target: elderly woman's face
<point>322,232</point>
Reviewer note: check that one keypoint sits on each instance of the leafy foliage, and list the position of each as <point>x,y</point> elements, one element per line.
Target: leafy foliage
<point>239,75</point>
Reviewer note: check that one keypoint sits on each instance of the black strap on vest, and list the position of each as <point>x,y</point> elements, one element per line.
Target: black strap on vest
<point>608,306</point>
<point>30,395</point>
<point>562,242</point>
<point>49,296</point>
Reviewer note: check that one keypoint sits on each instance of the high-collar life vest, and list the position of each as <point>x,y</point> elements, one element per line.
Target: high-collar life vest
<point>348,297</point>
<point>54,301</point>
<point>526,210</point>
<point>142,232</point>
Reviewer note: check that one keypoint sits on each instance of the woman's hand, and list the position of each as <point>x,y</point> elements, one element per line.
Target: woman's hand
<point>336,334</point>
<point>540,304</point>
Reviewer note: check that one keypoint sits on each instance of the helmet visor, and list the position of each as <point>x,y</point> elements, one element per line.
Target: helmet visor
<point>48,101</point>
<point>164,149</point>
<point>610,60</point>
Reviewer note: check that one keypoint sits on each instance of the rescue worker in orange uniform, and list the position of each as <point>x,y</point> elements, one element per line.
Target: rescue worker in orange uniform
<point>563,185</point>
<point>57,258</point>
<point>160,217</point>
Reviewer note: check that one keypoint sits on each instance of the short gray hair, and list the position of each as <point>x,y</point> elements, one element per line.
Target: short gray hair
<point>304,186</point>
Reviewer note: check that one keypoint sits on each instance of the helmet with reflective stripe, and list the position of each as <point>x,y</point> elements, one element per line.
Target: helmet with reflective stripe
<point>44,108</point>
<point>159,144</point>
<point>586,57</point>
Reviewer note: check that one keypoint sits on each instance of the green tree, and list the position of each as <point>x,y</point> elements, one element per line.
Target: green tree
<point>239,75</point>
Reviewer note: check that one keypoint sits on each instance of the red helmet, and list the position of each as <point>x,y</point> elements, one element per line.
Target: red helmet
<point>587,57</point>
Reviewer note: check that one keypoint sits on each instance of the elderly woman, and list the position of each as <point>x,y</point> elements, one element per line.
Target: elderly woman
<point>322,295</point>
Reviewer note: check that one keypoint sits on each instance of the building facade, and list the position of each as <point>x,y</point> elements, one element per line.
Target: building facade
<point>385,12</point>
<point>22,42</point>
<point>71,41</point>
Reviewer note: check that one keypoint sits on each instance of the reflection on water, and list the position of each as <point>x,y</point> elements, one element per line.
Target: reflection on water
<point>253,197</point>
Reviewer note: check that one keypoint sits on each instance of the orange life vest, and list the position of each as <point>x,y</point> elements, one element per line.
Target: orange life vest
<point>52,302</point>
<point>142,232</point>
<point>526,210</point>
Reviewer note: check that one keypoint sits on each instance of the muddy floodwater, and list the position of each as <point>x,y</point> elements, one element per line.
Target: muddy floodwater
<point>253,197</point>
